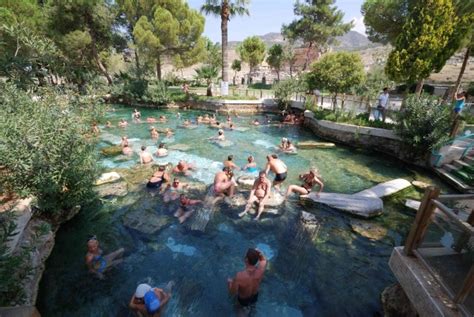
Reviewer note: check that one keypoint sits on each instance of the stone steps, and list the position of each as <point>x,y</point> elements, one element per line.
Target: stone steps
<point>460,164</point>
<point>469,160</point>
<point>453,180</point>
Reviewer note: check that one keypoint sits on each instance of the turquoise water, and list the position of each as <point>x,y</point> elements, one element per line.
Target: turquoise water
<point>339,273</point>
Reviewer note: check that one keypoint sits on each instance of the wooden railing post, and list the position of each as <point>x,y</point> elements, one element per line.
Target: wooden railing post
<point>422,220</point>
<point>466,287</point>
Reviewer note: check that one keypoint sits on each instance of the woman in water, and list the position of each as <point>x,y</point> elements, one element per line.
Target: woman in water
<point>98,263</point>
<point>309,180</point>
<point>251,166</point>
<point>162,151</point>
<point>158,178</point>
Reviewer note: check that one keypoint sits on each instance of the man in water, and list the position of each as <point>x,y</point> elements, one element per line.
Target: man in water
<point>145,157</point>
<point>259,194</point>
<point>229,163</point>
<point>149,301</point>
<point>123,123</point>
<point>173,190</point>
<point>136,115</point>
<point>183,167</point>
<point>223,183</point>
<point>162,151</point>
<point>96,262</point>
<point>278,167</point>
<point>186,209</point>
<point>247,282</point>
<point>220,136</point>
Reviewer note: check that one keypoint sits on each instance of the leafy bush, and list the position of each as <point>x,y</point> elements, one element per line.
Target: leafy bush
<point>261,86</point>
<point>46,150</point>
<point>285,89</point>
<point>361,119</point>
<point>423,124</point>
<point>157,93</point>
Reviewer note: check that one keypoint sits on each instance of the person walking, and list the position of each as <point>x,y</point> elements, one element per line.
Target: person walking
<point>382,104</point>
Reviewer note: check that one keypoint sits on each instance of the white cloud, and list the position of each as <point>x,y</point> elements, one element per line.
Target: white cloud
<point>359,24</point>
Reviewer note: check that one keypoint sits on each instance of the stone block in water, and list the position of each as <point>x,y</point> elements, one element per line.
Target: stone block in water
<point>385,189</point>
<point>314,145</point>
<point>119,189</point>
<point>112,150</point>
<point>361,206</point>
<point>180,147</point>
<point>368,230</point>
<point>146,221</point>
<point>246,181</point>
<point>107,178</point>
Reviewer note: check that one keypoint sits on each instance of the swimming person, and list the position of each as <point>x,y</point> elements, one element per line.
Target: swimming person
<point>185,209</point>
<point>259,194</point>
<point>289,147</point>
<point>173,190</point>
<point>123,123</point>
<point>278,168</point>
<point>126,150</point>
<point>149,301</point>
<point>96,262</point>
<point>108,124</point>
<point>229,163</point>
<point>223,183</point>
<point>162,151</point>
<point>154,133</point>
<point>256,122</point>
<point>169,133</point>
<point>145,157</point>
<point>251,166</point>
<point>220,136</point>
<point>124,141</point>
<point>282,145</point>
<point>136,115</point>
<point>183,167</point>
<point>151,120</point>
<point>309,180</point>
<point>158,178</point>
<point>247,282</point>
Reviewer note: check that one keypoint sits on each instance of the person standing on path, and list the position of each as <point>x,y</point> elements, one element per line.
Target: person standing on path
<point>382,104</point>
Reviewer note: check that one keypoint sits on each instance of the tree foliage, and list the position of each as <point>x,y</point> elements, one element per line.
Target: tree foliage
<point>174,29</point>
<point>337,72</point>
<point>45,149</point>
<point>276,58</point>
<point>375,81</point>
<point>426,42</point>
<point>319,23</point>
<point>286,89</point>
<point>252,51</point>
<point>207,73</point>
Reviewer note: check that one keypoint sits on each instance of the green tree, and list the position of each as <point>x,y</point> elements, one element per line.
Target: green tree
<point>236,67</point>
<point>289,56</point>
<point>320,21</point>
<point>225,9</point>
<point>46,148</point>
<point>384,19</point>
<point>426,44</point>
<point>375,81</point>
<point>174,29</point>
<point>252,51</point>
<point>213,54</point>
<point>284,91</point>
<point>337,72</point>
<point>208,73</point>
<point>83,30</point>
<point>276,58</point>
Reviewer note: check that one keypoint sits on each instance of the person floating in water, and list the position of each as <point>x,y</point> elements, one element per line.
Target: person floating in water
<point>162,151</point>
<point>251,166</point>
<point>108,125</point>
<point>151,120</point>
<point>163,119</point>
<point>256,122</point>
<point>136,115</point>
<point>158,178</point>
<point>247,282</point>
<point>220,136</point>
<point>223,183</point>
<point>230,163</point>
<point>123,123</point>
<point>278,168</point>
<point>96,262</point>
<point>145,157</point>
<point>169,133</point>
<point>186,209</point>
<point>173,190</point>
<point>183,167</point>
<point>154,133</point>
<point>282,145</point>
<point>149,301</point>
<point>259,194</point>
<point>289,147</point>
<point>309,180</point>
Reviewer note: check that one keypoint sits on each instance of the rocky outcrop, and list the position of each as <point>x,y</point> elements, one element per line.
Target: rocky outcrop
<point>119,189</point>
<point>366,207</point>
<point>246,181</point>
<point>310,224</point>
<point>396,303</point>
<point>112,150</point>
<point>22,212</point>
<point>368,230</point>
<point>146,221</point>
<point>107,178</point>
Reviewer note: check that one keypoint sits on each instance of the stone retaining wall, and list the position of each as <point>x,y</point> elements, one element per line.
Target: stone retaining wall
<point>380,140</point>
<point>235,106</point>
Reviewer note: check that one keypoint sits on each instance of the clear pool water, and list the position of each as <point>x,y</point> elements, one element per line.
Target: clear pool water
<point>340,273</point>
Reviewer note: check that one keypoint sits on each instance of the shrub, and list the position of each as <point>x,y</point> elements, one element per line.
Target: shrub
<point>423,124</point>
<point>157,93</point>
<point>46,150</point>
<point>285,89</point>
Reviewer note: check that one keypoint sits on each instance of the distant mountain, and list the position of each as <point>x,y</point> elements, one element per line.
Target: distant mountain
<point>350,41</point>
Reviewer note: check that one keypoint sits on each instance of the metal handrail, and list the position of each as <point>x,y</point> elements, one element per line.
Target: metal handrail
<point>435,152</point>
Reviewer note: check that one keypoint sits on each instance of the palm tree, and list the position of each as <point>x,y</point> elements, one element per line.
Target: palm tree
<point>208,73</point>
<point>225,9</point>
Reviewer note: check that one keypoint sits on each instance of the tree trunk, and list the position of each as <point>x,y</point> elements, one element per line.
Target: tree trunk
<point>461,72</point>
<point>95,54</point>
<point>308,52</point>
<point>225,13</point>
<point>158,68</point>
<point>278,75</point>
<point>419,87</point>
<point>209,90</point>
<point>334,102</point>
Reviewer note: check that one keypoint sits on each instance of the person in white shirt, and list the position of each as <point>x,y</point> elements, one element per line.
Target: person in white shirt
<point>382,104</point>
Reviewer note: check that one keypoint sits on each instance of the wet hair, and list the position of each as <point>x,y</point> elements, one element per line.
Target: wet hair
<point>227,169</point>
<point>230,157</point>
<point>262,172</point>
<point>161,167</point>
<point>274,156</point>
<point>143,148</point>
<point>250,158</point>
<point>161,146</point>
<point>252,256</point>
<point>221,132</point>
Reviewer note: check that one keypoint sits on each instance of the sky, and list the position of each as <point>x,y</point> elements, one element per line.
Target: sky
<point>268,16</point>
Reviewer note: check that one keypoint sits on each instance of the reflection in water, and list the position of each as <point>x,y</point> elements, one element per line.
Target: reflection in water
<point>311,271</point>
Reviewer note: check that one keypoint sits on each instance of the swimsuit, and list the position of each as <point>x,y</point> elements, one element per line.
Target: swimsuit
<point>459,105</point>
<point>102,263</point>
<point>280,177</point>
<point>252,169</point>
<point>156,184</point>
<point>248,301</point>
